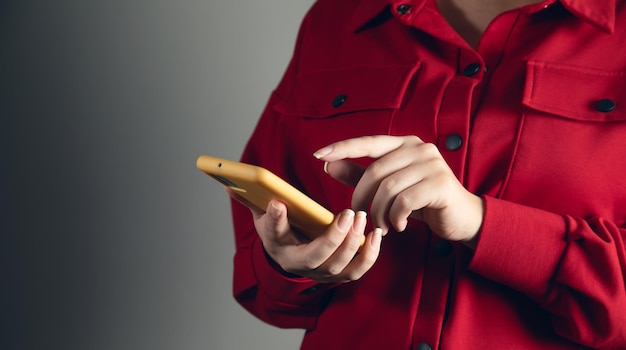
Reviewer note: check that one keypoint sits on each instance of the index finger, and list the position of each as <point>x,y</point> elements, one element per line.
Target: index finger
<point>366,146</point>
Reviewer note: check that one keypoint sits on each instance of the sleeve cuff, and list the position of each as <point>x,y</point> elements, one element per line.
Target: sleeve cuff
<point>519,246</point>
<point>281,288</point>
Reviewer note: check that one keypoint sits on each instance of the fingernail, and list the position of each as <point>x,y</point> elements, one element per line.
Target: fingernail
<point>322,152</point>
<point>378,236</point>
<point>402,227</point>
<point>360,220</point>
<point>275,210</point>
<point>359,225</point>
<point>326,167</point>
<point>345,220</point>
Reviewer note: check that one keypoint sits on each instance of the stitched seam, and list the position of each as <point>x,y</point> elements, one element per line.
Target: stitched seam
<point>513,163</point>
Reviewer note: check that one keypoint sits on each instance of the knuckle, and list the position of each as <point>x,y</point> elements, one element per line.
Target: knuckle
<point>350,277</point>
<point>438,166</point>
<point>403,200</point>
<point>376,169</point>
<point>430,149</point>
<point>444,180</point>
<point>353,275</point>
<point>308,264</point>
<point>370,139</point>
<point>333,270</point>
<point>413,139</point>
<point>388,184</point>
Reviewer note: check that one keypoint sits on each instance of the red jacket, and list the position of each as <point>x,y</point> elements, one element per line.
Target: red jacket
<point>534,121</point>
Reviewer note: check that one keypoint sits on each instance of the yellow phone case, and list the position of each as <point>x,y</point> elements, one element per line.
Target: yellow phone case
<point>259,185</point>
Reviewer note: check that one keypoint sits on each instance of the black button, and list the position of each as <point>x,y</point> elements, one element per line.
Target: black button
<point>471,69</point>
<point>339,100</point>
<point>605,105</point>
<point>310,290</point>
<point>424,346</point>
<point>453,142</point>
<point>403,9</point>
<point>443,248</point>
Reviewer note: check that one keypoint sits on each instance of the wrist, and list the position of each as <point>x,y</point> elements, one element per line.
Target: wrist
<point>278,268</point>
<point>475,222</point>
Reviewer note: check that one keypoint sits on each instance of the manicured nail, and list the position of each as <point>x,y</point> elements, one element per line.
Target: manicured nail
<point>275,210</point>
<point>322,152</point>
<point>378,236</point>
<point>402,227</point>
<point>360,220</point>
<point>345,220</point>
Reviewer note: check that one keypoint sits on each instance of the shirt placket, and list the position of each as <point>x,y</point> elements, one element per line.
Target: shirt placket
<point>458,102</point>
<point>453,119</point>
<point>453,127</point>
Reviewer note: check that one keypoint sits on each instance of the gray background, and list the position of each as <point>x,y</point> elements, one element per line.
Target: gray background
<point>109,236</point>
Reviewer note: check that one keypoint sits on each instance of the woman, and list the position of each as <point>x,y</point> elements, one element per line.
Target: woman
<point>485,141</point>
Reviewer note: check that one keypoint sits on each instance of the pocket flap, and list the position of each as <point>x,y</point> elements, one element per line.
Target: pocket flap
<point>576,92</point>
<point>324,93</point>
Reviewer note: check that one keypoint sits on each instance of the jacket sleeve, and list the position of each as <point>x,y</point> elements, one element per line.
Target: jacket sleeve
<point>575,268</point>
<point>258,285</point>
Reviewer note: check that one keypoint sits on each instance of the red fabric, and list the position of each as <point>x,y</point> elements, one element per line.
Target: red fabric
<point>549,268</point>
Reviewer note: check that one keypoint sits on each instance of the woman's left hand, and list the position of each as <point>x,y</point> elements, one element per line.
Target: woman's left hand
<point>408,178</point>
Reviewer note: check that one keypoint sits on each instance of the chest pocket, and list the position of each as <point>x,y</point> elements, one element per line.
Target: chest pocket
<point>325,106</point>
<point>576,93</point>
<point>327,93</point>
<point>571,153</point>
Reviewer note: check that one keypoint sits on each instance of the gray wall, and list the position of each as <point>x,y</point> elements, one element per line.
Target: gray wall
<point>109,236</point>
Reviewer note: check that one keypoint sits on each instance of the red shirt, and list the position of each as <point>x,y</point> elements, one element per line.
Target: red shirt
<point>534,121</point>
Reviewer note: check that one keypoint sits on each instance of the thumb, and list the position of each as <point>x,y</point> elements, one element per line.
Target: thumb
<point>276,219</point>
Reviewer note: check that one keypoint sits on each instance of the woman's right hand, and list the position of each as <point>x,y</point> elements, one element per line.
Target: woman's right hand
<point>335,256</point>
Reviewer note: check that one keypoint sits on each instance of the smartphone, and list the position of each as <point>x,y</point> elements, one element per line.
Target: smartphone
<point>259,185</point>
